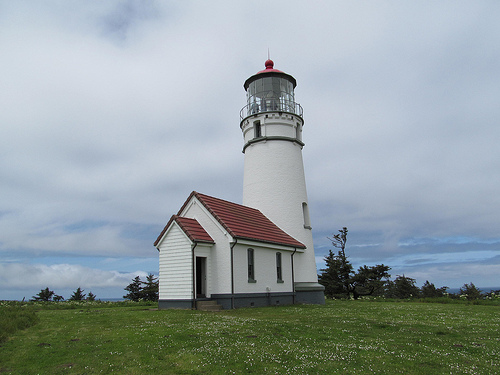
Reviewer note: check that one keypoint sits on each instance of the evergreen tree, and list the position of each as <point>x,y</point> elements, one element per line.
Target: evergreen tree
<point>91,296</point>
<point>150,288</point>
<point>336,277</point>
<point>134,289</point>
<point>428,290</point>
<point>77,295</point>
<point>44,295</point>
<point>402,288</point>
<point>368,280</point>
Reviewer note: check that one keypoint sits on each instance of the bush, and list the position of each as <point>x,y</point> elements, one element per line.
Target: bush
<point>470,292</point>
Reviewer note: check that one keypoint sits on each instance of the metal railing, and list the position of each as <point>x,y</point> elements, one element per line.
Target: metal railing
<point>271,105</point>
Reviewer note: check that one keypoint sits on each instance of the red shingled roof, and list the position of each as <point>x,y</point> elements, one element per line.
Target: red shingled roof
<point>240,221</point>
<point>244,222</point>
<point>191,227</point>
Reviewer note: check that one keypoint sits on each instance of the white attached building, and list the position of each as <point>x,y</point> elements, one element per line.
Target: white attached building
<point>259,253</point>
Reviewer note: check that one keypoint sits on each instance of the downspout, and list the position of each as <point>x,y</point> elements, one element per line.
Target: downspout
<point>157,248</point>
<point>194,274</point>
<point>232,272</point>
<point>293,278</point>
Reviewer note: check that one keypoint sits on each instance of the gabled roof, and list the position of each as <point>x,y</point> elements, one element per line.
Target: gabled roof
<point>244,222</point>
<point>191,227</point>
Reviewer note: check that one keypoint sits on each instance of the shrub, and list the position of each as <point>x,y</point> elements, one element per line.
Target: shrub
<point>470,292</point>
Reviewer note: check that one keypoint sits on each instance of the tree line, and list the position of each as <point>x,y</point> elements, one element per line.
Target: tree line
<point>341,281</point>
<point>49,295</point>
<point>138,290</point>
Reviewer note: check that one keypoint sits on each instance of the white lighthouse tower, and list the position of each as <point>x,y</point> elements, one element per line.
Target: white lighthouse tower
<point>274,179</point>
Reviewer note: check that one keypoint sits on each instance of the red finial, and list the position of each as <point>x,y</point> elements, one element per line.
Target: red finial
<point>269,64</point>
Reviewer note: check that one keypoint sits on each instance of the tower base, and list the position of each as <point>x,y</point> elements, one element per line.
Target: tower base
<point>311,293</point>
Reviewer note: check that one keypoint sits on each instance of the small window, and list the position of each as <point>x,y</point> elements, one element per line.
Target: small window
<point>279,269</point>
<point>298,132</point>
<point>257,129</point>
<point>307,220</point>
<point>251,266</point>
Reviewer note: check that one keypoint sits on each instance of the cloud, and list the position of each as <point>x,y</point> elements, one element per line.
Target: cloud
<point>124,17</point>
<point>114,112</point>
<point>61,276</point>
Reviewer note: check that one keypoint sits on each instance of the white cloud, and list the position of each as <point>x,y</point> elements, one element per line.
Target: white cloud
<point>61,276</point>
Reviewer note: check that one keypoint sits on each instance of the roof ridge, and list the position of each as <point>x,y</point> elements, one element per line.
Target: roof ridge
<point>240,221</point>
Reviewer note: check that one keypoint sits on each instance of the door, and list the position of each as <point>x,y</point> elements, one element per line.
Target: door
<point>201,277</point>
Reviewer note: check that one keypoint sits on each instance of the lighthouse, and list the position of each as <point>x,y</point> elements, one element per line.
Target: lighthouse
<point>216,254</point>
<point>274,179</point>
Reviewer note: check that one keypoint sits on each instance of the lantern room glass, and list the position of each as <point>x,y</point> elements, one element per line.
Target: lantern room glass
<point>270,94</point>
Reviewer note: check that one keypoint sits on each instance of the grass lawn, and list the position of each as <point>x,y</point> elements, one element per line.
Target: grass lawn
<point>344,337</point>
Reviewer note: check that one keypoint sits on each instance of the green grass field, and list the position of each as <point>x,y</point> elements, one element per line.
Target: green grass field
<point>344,337</point>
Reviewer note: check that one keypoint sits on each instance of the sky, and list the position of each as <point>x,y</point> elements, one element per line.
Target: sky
<point>113,112</point>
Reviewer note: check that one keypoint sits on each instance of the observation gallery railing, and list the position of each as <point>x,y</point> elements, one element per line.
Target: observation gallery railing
<point>271,105</point>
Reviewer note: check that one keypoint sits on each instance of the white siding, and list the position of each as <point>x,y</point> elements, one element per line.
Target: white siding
<point>219,262</point>
<point>176,273</point>
<point>265,270</point>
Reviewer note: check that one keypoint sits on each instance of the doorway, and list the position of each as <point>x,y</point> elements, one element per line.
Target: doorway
<point>201,277</point>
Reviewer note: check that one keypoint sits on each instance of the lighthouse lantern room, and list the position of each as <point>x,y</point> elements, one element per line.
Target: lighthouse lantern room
<point>271,92</point>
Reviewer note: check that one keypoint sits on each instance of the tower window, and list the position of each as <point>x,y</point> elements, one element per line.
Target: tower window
<point>305,212</point>
<point>298,132</point>
<point>251,266</point>
<point>279,269</point>
<point>257,129</point>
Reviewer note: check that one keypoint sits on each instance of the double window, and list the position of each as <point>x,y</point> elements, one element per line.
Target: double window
<point>251,266</point>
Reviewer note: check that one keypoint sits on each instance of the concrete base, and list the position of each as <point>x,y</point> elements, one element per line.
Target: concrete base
<point>308,293</point>
<point>253,299</point>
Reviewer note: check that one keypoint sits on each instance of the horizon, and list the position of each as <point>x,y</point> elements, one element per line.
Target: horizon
<point>116,299</point>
